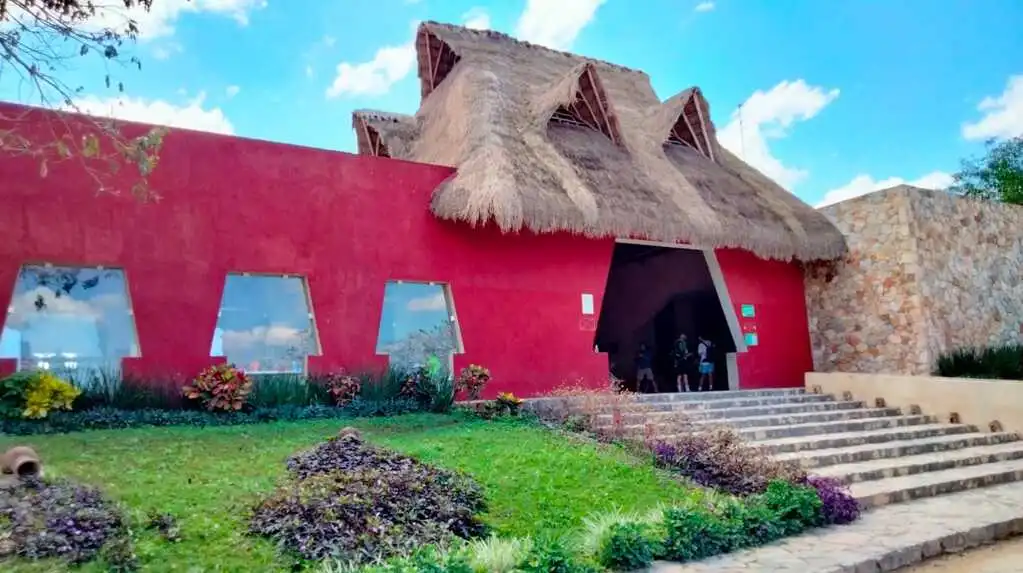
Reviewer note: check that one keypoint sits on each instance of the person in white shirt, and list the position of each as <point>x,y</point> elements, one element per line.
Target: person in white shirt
<point>706,364</point>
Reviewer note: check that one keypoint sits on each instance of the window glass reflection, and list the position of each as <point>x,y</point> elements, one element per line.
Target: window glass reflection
<point>417,326</point>
<point>264,325</point>
<point>71,320</point>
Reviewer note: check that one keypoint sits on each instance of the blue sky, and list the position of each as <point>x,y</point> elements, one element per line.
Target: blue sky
<point>838,97</point>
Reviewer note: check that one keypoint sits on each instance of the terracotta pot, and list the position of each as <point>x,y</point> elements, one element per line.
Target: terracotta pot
<point>22,462</point>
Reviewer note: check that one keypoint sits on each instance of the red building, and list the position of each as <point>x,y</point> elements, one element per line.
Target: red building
<point>544,214</point>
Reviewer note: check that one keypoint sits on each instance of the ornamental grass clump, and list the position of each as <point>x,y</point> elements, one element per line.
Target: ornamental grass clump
<point>61,520</point>
<point>359,504</point>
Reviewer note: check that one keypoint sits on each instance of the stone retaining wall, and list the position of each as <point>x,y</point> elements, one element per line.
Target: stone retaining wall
<point>927,272</point>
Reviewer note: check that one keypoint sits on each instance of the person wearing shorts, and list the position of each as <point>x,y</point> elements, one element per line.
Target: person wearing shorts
<point>683,359</point>
<point>706,367</point>
<point>645,368</point>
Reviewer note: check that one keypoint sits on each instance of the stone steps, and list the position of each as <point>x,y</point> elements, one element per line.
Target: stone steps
<point>846,439</point>
<point>910,465</point>
<point>811,460</point>
<point>882,492</point>
<point>749,417</point>
<point>885,455</point>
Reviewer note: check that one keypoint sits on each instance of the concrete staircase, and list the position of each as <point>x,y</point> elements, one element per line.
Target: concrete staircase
<point>884,455</point>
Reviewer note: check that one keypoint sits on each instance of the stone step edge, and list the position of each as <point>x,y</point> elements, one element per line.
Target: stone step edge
<point>901,557</point>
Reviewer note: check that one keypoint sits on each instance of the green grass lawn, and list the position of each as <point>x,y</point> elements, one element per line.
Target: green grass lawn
<point>536,481</point>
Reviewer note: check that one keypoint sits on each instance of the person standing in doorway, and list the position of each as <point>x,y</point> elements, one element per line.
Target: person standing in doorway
<point>706,369</point>
<point>683,358</point>
<point>645,368</point>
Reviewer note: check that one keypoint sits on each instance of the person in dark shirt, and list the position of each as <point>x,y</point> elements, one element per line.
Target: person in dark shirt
<point>683,359</point>
<point>645,367</point>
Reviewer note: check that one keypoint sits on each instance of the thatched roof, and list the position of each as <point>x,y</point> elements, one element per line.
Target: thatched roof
<point>550,141</point>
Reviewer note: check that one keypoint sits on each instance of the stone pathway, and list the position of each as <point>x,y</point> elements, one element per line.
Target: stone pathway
<point>886,538</point>
<point>1006,557</point>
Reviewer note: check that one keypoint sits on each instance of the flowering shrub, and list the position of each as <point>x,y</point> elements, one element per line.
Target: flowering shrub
<point>35,395</point>
<point>361,504</point>
<point>472,379</point>
<point>220,387</point>
<point>343,388</point>
<point>61,520</point>
<point>839,506</point>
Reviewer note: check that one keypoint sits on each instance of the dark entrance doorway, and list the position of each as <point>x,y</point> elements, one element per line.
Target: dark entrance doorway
<point>652,295</point>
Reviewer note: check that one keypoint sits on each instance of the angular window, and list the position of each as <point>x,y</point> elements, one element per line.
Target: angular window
<point>418,326</point>
<point>265,325</point>
<point>76,321</point>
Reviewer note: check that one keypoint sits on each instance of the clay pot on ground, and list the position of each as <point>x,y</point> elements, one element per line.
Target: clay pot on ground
<point>22,462</point>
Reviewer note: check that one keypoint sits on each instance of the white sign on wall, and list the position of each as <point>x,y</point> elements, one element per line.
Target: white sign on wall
<point>587,303</point>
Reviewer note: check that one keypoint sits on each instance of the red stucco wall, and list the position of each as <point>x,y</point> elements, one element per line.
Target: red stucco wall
<point>348,224</point>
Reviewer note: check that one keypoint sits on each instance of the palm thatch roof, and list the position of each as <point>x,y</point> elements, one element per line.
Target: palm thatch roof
<point>550,141</point>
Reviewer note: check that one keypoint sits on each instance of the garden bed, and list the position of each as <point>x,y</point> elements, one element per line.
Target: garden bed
<point>537,483</point>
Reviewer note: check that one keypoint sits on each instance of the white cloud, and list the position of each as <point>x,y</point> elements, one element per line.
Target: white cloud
<point>159,21</point>
<point>769,115</point>
<point>232,91</point>
<point>1003,115</point>
<point>863,184</point>
<point>329,41</point>
<point>192,115</point>
<point>389,65</point>
<point>555,24</point>
<point>166,51</point>
<point>428,303</point>
<point>704,7</point>
<point>273,335</point>
<point>309,73</point>
<point>477,19</point>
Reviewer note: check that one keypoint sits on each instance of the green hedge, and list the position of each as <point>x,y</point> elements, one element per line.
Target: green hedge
<point>995,362</point>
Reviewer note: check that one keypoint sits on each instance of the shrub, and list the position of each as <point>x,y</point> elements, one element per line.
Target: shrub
<point>997,362</point>
<point>220,387</point>
<point>35,395</point>
<point>350,500</point>
<point>472,379</point>
<point>695,532</point>
<point>628,546</point>
<point>749,522</point>
<point>509,402</point>
<point>343,388</point>
<point>60,520</point>
<point>426,560</point>
<point>552,556</point>
<point>796,508</point>
<point>838,506</point>
<point>721,459</point>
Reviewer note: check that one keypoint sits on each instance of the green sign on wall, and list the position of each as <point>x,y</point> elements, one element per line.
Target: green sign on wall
<point>748,311</point>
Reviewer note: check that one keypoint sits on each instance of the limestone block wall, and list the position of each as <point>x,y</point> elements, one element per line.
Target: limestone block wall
<point>927,272</point>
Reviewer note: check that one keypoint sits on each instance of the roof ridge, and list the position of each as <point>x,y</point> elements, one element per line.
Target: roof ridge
<point>513,40</point>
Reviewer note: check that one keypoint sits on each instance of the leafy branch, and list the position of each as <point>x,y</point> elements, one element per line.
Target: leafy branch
<point>39,40</point>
